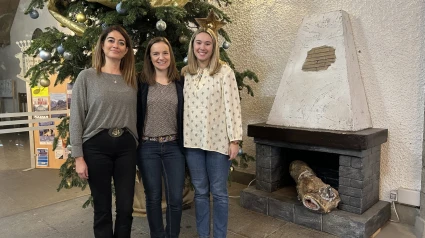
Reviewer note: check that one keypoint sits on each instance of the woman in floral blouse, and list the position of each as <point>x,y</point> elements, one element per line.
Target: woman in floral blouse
<point>212,128</point>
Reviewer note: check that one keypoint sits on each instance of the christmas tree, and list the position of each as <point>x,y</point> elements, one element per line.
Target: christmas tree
<point>67,54</point>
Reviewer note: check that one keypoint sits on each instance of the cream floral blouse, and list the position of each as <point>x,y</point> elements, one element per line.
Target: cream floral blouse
<point>212,111</point>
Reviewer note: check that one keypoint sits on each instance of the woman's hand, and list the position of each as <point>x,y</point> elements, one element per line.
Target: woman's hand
<point>233,150</point>
<point>81,168</point>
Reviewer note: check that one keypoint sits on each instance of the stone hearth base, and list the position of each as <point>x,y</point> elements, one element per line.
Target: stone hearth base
<point>283,204</point>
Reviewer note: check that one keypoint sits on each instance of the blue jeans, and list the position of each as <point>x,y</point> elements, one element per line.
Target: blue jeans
<point>209,171</point>
<point>158,162</point>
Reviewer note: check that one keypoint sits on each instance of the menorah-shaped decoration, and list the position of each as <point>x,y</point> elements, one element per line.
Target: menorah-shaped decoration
<point>25,61</point>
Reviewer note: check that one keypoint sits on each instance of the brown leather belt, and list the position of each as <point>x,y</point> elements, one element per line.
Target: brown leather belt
<point>160,139</point>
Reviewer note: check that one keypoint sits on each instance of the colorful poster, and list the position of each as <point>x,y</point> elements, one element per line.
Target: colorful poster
<point>42,157</point>
<point>69,94</point>
<point>46,135</point>
<point>40,91</point>
<point>40,104</point>
<point>58,101</point>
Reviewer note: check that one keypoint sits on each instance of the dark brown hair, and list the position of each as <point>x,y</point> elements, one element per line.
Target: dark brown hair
<point>127,62</point>
<point>148,73</point>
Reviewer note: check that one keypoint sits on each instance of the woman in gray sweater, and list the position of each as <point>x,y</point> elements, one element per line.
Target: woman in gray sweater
<point>103,130</point>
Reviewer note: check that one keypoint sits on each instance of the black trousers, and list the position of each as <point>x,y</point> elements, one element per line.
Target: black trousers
<point>111,157</point>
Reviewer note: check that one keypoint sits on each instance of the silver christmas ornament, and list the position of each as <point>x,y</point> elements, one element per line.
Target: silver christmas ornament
<point>34,14</point>
<point>104,26</point>
<point>183,39</point>
<point>185,60</point>
<point>45,82</point>
<point>161,25</point>
<point>226,45</point>
<point>240,151</point>
<point>60,49</point>
<point>120,9</point>
<point>67,55</point>
<point>45,55</point>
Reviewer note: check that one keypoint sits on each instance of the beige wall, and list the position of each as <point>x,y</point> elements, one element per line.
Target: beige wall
<point>389,36</point>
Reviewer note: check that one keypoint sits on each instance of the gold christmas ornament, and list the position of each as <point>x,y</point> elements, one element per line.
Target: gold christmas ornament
<point>88,22</point>
<point>211,22</point>
<point>78,29</point>
<point>81,17</point>
<point>165,3</point>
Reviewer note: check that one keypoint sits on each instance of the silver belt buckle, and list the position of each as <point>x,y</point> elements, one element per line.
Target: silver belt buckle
<point>115,132</point>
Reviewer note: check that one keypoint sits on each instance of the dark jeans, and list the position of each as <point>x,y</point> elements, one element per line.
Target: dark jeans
<point>158,162</point>
<point>111,157</point>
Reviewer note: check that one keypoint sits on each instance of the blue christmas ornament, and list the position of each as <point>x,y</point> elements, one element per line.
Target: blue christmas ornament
<point>45,55</point>
<point>34,14</point>
<point>104,26</point>
<point>240,151</point>
<point>120,9</point>
<point>60,49</point>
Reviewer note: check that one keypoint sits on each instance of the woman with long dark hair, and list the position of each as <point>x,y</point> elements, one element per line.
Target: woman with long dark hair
<point>103,130</point>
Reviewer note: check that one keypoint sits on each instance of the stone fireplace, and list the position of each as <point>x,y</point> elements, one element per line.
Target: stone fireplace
<point>320,116</point>
<point>348,161</point>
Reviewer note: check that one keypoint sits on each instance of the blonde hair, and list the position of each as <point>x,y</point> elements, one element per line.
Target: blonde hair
<point>127,62</point>
<point>192,63</point>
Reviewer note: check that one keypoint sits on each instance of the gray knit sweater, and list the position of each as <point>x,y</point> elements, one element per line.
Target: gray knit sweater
<point>100,101</point>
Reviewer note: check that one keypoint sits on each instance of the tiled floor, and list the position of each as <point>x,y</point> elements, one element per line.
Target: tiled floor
<point>31,207</point>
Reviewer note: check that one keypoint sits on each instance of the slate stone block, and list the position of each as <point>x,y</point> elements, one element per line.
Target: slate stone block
<point>281,209</point>
<point>358,174</point>
<point>253,200</point>
<point>358,183</point>
<point>307,218</point>
<point>376,168</point>
<point>269,175</point>
<point>268,161</point>
<point>342,226</point>
<point>379,214</point>
<point>344,199</point>
<point>345,160</point>
<point>349,208</point>
<point>349,191</point>
<point>357,163</point>
<point>266,186</point>
<point>344,181</point>
<point>376,149</point>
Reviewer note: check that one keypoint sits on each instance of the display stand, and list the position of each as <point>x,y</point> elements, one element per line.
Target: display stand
<point>50,99</point>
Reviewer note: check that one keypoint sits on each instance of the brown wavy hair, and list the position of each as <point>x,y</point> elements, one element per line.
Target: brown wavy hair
<point>148,73</point>
<point>127,62</point>
<point>192,62</point>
